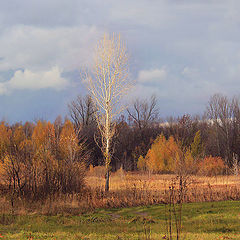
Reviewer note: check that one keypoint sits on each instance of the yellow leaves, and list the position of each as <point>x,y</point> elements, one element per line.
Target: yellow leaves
<point>4,165</point>
<point>18,136</point>
<point>32,158</point>
<point>173,152</point>
<point>26,145</point>
<point>141,164</point>
<point>189,161</point>
<point>168,155</point>
<point>43,135</point>
<point>163,155</point>
<point>152,162</point>
<point>43,142</point>
<point>5,135</point>
<point>196,146</point>
<point>9,166</point>
<point>68,140</point>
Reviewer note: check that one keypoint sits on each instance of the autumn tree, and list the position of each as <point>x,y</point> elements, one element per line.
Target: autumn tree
<point>141,164</point>
<point>44,161</point>
<point>5,135</point>
<point>212,166</point>
<point>193,155</point>
<point>163,156</point>
<point>7,171</point>
<point>18,158</point>
<point>71,161</point>
<point>197,146</point>
<point>107,83</point>
<point>36,161</point>
<point>15,170</point>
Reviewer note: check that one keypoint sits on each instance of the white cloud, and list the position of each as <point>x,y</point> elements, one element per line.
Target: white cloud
<point>34,80</point>
<point>3,89</point>
<point>190,72</point>
<point>39,48</point>
<point>154,75</point>
<point>148,83</point>
<point>197,40</point>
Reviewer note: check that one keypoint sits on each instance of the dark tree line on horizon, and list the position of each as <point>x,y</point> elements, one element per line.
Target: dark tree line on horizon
<point>44,158</point>
<point>141,124</point>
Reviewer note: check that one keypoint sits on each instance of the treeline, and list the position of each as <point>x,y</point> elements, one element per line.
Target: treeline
<point>140,125</point>
<point>41,158</point>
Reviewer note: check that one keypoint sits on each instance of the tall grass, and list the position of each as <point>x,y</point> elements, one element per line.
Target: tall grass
<point>127,190</point>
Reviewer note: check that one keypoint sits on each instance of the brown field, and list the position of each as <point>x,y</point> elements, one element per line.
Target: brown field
<point>135,188</point>
<point>121,180</point>
<point>127,189</point>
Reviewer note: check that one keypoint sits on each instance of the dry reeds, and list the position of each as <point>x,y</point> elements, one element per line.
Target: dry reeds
<point>127,190</point>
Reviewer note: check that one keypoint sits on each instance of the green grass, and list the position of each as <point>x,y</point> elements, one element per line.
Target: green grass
<point>216,220</point>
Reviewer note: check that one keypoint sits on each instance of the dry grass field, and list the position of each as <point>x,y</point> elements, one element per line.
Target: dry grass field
<point>122,180</point>
<point>127,189</point>
<point>135,188</point>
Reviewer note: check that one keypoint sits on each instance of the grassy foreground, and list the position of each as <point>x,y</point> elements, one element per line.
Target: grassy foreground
<point>211,220</point>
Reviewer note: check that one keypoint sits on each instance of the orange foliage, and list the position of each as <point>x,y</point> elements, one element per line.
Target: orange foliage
<point>163,156</point>
<point>43,135</point>
<point>18,136</point>
<point>212,166</point>
<point>5,135</point>
<point>68,141</point>
<point>43,139</point>
<point>141,164</point>
<point>34,162</point>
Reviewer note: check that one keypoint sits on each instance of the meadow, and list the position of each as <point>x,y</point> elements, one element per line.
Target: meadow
<point>136,188</point>
<point>122,180</point>
<point>208,221</point>
<point>136,207</point>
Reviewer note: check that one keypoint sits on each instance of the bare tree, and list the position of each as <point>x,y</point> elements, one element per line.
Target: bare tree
<point>221,112</point>
<point>107,83</point>
<point>144,112</point>
<point>82,111</point>
<point>236,133</point>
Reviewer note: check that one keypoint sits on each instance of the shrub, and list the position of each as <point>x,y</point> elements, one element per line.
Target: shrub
<point>164,155</point>
<point>97,171</point>
<point>141,164</point>
<point>41,164</point>
<point>212,166</point>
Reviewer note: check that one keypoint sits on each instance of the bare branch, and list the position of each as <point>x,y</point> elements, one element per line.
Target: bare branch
<point>108,82</point>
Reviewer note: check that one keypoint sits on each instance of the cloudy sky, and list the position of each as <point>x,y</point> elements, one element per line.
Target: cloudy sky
<point>183,51</point>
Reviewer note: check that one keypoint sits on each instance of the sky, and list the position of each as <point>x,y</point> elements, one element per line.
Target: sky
<point>182,51</point>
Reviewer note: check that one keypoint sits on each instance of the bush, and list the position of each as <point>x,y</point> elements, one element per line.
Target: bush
<point>42,164</point>
<point>163,156</point>
<point>97,171</point>
<point>211,166</point>
<point>141,164</point>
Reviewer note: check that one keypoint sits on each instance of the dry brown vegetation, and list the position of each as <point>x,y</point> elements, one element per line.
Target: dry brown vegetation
<point>126,189</point>
<point>122,180</point>
<point>134,188</point>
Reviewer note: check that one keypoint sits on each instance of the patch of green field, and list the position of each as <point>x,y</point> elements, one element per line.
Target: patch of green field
<point>215,220</point>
